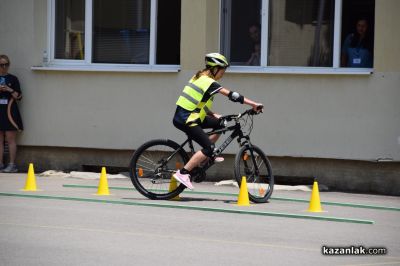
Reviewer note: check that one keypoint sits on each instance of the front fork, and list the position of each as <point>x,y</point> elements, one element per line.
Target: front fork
<point>246,142</point>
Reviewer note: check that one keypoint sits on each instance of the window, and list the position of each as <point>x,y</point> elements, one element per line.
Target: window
<point>168,32</point>
<point>357,33</point>
<point>292,33</point>
<point>123,32</point>
<point>69,29</point>
<point>301,33</point>
<point>242,34</point>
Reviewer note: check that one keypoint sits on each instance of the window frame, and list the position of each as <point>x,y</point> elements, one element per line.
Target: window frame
<point>86,64</point>
<point>264,68</point>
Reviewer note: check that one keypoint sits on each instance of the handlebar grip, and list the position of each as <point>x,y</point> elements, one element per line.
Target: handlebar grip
<point>253,112</point>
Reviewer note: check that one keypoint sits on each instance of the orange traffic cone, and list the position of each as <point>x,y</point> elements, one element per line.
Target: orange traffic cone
<point>243,199</point>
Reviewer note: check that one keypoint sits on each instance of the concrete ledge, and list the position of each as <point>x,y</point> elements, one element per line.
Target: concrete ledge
<point>338,175</point>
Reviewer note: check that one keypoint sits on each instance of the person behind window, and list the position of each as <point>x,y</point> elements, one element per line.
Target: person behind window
<point>10,118</point>
<point>255,36</point>
<point>193,112</point>
<point>357,48</point>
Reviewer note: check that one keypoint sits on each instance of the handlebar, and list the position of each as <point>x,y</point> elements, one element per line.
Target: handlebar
<point>252,112</point>
<point>237,116</point>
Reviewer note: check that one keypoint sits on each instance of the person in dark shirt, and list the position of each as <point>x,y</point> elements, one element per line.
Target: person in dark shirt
<point>10,118</point>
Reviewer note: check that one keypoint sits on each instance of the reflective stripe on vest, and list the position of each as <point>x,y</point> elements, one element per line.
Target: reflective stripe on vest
<point>192,95</point>
<point>196,88</point>
<point>207,108</point>
<point>190,98</point>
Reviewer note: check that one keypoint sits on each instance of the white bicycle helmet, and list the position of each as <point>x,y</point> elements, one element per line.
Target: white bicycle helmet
<point>216,60</point>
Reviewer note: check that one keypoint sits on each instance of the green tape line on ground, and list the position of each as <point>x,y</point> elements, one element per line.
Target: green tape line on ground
<point>343,204</point>
<point>159,190</point>
<point>275,214</point>
<point>353,205</point>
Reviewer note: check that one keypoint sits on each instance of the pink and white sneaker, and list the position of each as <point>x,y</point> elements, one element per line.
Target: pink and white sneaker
<point>183,179</point>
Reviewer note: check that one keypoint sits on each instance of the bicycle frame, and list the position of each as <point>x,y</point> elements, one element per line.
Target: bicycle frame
<point>151,175</point>
<point>236,133</point>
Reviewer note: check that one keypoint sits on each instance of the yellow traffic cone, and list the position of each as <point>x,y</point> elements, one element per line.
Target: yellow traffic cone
<point>315,203</point>
<point>243,199</point>
<point>30,184</point>
<point>172,186</point>
<point>103,184</point>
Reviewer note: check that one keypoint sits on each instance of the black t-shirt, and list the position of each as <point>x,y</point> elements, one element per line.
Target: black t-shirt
<point>213,89</point>
<point>12,82</point>
<point>10,118</point>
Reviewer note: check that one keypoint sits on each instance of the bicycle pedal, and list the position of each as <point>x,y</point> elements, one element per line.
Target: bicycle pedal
<point>199,178</point>
<point>198,175</point>
<point>219,159</point>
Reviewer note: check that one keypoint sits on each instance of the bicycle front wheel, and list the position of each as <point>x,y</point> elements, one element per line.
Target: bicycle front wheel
<point>152,166</point>
<point>252,163</point>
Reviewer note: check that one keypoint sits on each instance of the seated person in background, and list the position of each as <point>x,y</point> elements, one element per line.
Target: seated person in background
<point>357,50</point>
<point>254,59</point>
<point>255,36</point>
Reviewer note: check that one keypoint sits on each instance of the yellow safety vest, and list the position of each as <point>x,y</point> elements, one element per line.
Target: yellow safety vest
<point>192,95</point>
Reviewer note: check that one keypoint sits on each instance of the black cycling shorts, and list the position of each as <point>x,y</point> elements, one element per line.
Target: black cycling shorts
<point>197,133</point>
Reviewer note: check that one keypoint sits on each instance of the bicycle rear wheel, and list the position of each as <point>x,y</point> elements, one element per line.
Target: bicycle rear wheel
<point>252,163</point>
<point>152,166</point>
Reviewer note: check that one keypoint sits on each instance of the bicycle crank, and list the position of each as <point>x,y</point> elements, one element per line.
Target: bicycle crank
<point>198,175</point>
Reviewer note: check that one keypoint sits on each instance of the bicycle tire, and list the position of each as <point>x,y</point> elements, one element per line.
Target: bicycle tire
<point>146,175</point>
<point>260,186</point>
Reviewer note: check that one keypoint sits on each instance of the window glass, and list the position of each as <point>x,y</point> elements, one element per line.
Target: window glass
<point>241,31</point>
<point>121,31</point>
<point>301,33</point>
<point>69,29</point>
<point>357,33</point>
<point>168,32</point>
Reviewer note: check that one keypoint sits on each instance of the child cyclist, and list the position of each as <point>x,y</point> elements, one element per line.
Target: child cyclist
<point>193,112</point>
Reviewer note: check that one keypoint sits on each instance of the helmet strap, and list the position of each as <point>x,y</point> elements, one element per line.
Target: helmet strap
<point>214,71</point>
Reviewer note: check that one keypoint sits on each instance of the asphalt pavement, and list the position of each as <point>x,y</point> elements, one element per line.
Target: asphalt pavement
<point>64,222</point>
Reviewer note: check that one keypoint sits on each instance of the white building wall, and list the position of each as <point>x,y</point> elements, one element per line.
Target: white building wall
<point>325,116</point>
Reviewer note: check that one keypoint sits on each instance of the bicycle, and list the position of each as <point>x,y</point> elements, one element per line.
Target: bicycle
<point>153,163</point>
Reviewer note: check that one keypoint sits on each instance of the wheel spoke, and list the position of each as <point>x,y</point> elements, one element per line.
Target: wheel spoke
<point>259,165</point>
<point>147,168</point>
<point>158,160</point>
<point>253,164</point>
<point>147,160</point>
